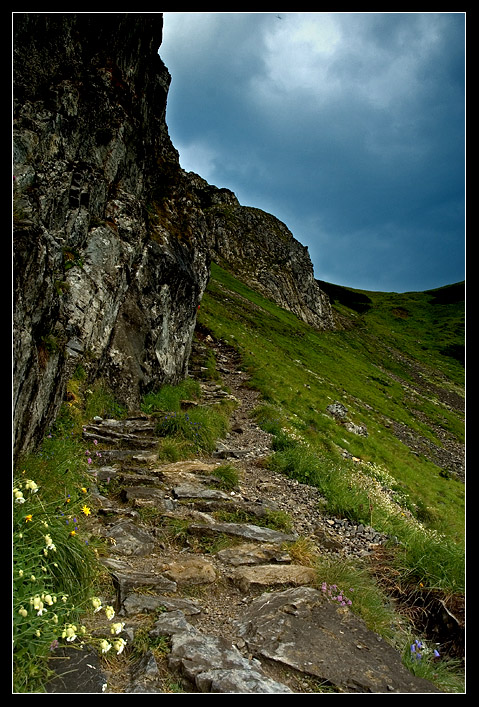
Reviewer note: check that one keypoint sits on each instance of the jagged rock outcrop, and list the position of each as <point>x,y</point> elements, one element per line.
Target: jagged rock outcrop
<point>109,265</point>
<point>261,251</point>
<point>112,239</point>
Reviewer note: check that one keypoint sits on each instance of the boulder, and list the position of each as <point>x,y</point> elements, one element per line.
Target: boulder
<point>299,628</point>
<point>262,576</point>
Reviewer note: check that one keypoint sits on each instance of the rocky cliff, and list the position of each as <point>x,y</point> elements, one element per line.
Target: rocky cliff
<point>261,251</point>
<point>112,239</point>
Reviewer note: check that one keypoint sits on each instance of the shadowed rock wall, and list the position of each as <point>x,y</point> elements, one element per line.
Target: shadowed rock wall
<point>107,272</point>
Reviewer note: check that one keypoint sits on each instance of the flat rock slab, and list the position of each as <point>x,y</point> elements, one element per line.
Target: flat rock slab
<point>126,579</point>
<point>196,570</point>
<point>239,681</point>
<point>262,576</point>
<point>192,466</point>
<point>301,629</point>
<point>76,670</point>
<point>242,530</point>
<point>136,603</point>
<point>191,490</point>
<point>148,496</point>
<point>252,554</point>
<point>129,539</point>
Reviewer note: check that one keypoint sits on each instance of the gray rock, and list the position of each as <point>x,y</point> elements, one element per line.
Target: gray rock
<point>195,653</point>
<point>126,579</point>
<point>242,530</point>
<point>171,623</point>
<point>200,491</point>
<point>148,496</point>
<point>146,678</point>
<point>301,629</point>
<point>238,680</point>
<point>136,603</point>
<point>251,554</point>
<point>128,539</point>
<point>337,410</point>
<point>76,670</point>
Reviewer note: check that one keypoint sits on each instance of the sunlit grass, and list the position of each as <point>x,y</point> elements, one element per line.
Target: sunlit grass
<point>299,372</point>
<point>168,397</point>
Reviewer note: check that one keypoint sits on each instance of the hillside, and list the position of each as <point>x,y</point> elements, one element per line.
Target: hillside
<point>339,462</point>
<point>387,366</point>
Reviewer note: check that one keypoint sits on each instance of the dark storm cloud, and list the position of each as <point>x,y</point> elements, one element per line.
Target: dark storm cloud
<point>348,127</point>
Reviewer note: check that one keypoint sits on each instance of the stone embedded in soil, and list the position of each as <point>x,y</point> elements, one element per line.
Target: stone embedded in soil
<point>251,554</point>
<point>76,671</point>
<point>262,576</point>
<point>238,681</point>
<point>213,664</point>
<point>191,490</point>
<point>126,579</point>
<point>242,530</point>
<point>129,539</point>
<point>136,603</point>
<point>147,496</point>
<point>191,570</point>
<point>301,629</point>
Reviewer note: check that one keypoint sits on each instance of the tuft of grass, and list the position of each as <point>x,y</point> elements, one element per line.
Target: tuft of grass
<point>168,398</point>
<point>351,582</point>
<point>303,552</point>
<point>227,475</point>
<point>197,430</point>
<point>275,520</point>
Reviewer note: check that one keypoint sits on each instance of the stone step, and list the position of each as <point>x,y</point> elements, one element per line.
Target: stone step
<point>246,531</point>
<point>271,576</point>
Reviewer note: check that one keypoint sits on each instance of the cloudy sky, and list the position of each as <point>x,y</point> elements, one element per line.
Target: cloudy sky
<point>349,127</point>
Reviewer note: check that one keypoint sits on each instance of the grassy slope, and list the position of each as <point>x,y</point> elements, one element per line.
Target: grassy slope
<point>388,364</point>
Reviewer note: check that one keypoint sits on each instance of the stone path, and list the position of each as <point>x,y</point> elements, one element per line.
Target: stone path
<point>241,614</point>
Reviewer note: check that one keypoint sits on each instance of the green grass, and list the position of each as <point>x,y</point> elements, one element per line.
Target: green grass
<point>168,397</point>
<point>386,364</point>
<point>227,476</point>
<point>55,567</point>
<point>196,430</point>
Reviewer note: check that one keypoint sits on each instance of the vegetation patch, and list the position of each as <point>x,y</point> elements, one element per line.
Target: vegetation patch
<point>384,369</point>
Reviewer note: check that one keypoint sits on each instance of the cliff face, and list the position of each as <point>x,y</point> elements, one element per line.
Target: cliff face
<point>99,278</point>
<point>112,240</point>
<point>261,251</point>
